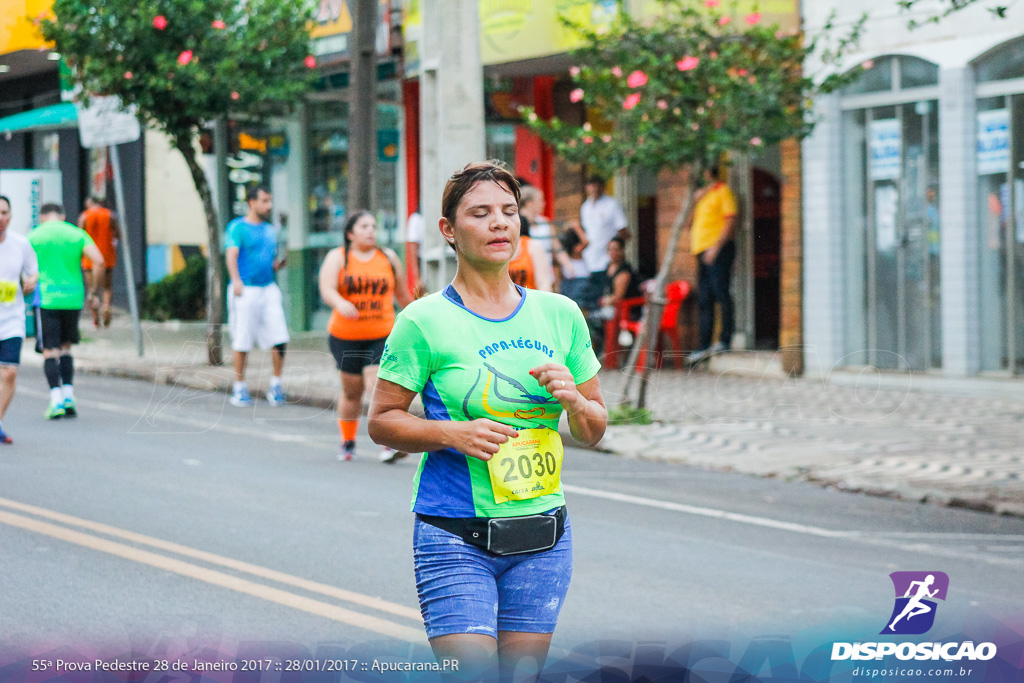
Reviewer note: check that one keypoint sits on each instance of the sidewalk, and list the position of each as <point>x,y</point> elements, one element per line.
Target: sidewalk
<point>940,440</point>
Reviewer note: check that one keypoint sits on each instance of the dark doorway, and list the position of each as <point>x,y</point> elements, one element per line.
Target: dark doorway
<point>767,261</point>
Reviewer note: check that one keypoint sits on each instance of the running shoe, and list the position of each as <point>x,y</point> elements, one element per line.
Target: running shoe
<point>275,396</point>
<point>4,438</point>
<point>55,411</point>
<point>390,456</point>
<point>241,398</point>
<point>106,317</point>
<point>70,407</point>
<point>347,452</point>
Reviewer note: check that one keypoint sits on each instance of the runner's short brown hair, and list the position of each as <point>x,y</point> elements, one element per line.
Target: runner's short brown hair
<point>466,178</point>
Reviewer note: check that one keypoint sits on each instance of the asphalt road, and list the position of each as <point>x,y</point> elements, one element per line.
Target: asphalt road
<point>167,521</point>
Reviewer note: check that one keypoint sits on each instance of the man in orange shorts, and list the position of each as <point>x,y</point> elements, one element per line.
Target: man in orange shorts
<point>102,227</point>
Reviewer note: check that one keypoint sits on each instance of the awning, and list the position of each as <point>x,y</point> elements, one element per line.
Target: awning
<point>61,115</point>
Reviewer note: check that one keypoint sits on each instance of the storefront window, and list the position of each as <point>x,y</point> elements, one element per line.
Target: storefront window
<point>1000,156</point>
<point>892,233</point>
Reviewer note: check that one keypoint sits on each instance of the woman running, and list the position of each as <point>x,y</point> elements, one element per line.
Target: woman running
<point>495,364</point>
<point>360,282</point>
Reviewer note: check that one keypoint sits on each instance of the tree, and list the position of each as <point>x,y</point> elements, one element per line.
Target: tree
<point>185,64</point>
<point>681,91</point>
<point>947,7</point>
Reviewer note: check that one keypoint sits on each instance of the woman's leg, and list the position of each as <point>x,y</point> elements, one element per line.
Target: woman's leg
<point>521,655</point>
<point>475,653</point>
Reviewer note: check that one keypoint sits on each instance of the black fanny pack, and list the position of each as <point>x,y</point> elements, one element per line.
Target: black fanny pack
<point>505,535</point>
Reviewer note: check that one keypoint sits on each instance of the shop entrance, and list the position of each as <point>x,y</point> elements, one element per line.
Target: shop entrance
<point>767,269</point>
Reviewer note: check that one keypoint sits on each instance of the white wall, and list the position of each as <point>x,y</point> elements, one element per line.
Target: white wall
<point>174,212</point>
<point>952,43</point>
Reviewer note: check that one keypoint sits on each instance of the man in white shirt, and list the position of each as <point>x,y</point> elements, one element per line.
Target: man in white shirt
<point>602,218</point>
<point>19,273</point>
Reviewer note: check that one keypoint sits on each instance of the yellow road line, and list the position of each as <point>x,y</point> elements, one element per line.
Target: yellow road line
<point>237,565</point>
<point>216,578</point>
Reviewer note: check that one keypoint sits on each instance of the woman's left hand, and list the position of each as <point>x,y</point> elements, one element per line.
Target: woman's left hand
<point>559,382</point>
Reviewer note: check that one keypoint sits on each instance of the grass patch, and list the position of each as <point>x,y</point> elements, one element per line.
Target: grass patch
<point>626,414</point>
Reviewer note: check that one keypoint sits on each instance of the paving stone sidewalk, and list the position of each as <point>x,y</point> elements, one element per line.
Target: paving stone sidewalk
<point>908,436</point>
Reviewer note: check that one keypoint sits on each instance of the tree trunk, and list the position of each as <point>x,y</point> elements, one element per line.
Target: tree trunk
<point>214,260</point>
<point>649,331</point>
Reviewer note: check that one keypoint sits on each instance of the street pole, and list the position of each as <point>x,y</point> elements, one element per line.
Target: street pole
<point>126,249</point>
<point>451,117</point>
<point>362,110</point>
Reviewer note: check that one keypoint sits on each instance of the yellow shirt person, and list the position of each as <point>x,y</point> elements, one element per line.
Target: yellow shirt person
<point>711,216</point>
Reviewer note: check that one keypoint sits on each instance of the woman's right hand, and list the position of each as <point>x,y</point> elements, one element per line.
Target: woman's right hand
<point>480,438</point>
<point>347,310</point>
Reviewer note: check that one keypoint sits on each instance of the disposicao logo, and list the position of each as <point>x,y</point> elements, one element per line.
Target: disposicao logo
<point>916,592</point>
<point>914,614</point>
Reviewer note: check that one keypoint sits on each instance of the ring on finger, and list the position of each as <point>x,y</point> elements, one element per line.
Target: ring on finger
<point>563,383</point>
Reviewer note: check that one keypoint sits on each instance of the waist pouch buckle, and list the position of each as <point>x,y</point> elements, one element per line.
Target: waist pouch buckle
<point>505,535</point>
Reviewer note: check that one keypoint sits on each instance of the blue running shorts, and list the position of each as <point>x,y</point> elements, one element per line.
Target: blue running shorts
<point>465,589</point>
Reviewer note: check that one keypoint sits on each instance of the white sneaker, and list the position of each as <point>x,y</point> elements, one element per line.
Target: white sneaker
<point>717,347</point>
<point>390,456</point>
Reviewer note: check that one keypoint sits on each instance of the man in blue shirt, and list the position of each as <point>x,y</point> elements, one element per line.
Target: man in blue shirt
<point>255,309</point>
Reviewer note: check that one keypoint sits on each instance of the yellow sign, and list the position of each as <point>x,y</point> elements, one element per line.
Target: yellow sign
<point>528,466</point>
<point>511,30</point>
<point>332,17</point>
<point>785,13</point>
<point>17,28</point>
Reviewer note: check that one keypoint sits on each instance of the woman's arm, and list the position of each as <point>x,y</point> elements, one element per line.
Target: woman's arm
<point>391,424</point>
<point>619,286</point>
<point>402,293</point>
<point>328,279</point>
<point>584,403</point>
<point>543,272</point>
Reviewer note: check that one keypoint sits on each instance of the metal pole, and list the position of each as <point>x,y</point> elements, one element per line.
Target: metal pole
<point>129,271</point>
<point>362,110</point>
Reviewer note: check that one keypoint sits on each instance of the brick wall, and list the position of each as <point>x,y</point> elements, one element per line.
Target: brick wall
<point>792,257</point>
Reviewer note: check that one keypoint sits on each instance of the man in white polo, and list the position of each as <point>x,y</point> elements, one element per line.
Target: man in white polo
<point>602,219</point>
<point>255,308</point>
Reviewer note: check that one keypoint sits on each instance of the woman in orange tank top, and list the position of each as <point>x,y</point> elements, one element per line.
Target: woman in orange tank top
<point>360,282</point>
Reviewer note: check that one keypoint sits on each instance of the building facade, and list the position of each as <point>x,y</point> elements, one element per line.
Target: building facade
<point>525,54</point>
<point>914,211</point>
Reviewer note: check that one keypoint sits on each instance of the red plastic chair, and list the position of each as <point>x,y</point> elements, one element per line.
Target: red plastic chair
<point>675,293</point>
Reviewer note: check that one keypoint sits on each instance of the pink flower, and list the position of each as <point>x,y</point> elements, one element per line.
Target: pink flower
<point>753,18</point>
<point>572,143</point>
<point>617,71</point>
<point>606,138</point>
<point>636,79</point>
<point>533,116</point>
<point>310,62</point>
<point>695,125</point>
<point>631,101</point>
<point>587,140</point>
<point>752,80</point>
<point>724,21</point>
<point>219,24</point>
<point>711,4</point>
<point>756,142</point>
<point>742,72</point>
<point>576,95</point>
<point>586,125</point>
<point>159,22</point>
<point>574,71</point>
<point>185,57</point>
<point>128,75</point>
<point>688,63</point>
<point>235,95</point>
<point>662,105</point>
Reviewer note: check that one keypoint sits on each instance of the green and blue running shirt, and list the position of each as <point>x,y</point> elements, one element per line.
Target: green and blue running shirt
<point>466,367</point>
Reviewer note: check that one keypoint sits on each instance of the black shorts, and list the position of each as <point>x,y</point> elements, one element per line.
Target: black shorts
<point>59,327</point>
<point>10,351</point>
<point>352,355</point>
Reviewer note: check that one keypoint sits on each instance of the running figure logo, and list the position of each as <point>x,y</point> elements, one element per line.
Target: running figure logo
<point>914,612</point>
